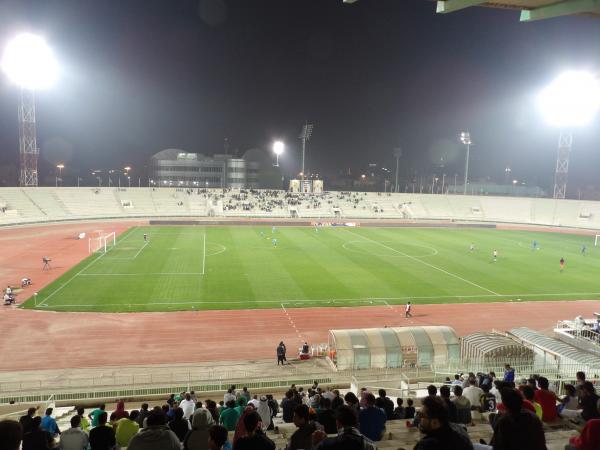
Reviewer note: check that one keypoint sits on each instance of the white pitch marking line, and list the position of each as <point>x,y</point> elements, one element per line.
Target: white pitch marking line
<point>138,274</point>
<point>426,263</point>
<point>204,253</point>
<point>140,250</point>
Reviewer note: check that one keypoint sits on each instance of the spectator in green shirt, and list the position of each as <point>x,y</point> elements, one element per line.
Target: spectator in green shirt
<point>126,428</point>
<point>95,414</point>
<point>229,416</point>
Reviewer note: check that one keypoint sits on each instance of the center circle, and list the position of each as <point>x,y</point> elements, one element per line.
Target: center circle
<point>362,247</point>
<point>214,248</point>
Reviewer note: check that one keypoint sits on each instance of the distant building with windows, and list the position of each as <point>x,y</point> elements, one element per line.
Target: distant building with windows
<point>178,168</point>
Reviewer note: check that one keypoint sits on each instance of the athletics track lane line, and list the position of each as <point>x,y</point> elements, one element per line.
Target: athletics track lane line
<point>425,263</point>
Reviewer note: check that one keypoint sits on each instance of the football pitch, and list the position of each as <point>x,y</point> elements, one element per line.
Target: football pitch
<point>238,267</point>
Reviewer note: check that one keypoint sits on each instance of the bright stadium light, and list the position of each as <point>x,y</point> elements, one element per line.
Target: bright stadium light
<point>572,100</point>
<point>29,62</point>
<point>278,148</point>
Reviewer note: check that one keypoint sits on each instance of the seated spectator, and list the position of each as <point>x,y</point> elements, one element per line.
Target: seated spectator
<point>547,400</point>
<point>26,421</point>
<point>590,402</point>
<point>49,423</point>
<point>11,434</point>
<point>326,417</point>
<point>439,433</point>
<point>155,435</point>
<point>352,401</point>
<point>529,395</point>
<point>288,404</point>
<point>74,438</point>
<point>372,419</point>
<point>409,412</point>
<point>197,438</point>
<point>217,438</point>
<point>179,425</point>
<point>589,439</point>
<point>463,407</point>
<point>143,414</point>
<point>349,438</point>
<point>37,439</point>
<point>388,405</point>
<point>570,400</point>
<point>363,397</point>
<point>517,429</point>
<point>93,416</point>
<point>399,412</point>
<point>85,423</point>
<point>255,438</point>
<point>126,428</point>
<point>102,437</point>
<point>337,400</point>
<point>452,412</point>
<point>229,416</point>
<point>302,437</point>
<point>244,393</point>
<point>473,393</point>
<point>487,402</point>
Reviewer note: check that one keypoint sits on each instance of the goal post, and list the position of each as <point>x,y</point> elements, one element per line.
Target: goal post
<point>596,240</point>
<point>102,243</point>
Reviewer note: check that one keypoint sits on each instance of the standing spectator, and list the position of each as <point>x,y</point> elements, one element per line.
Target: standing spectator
<point>288,404</point>
<point>264,412</point>
<point>93,416</point>
<point>547,399</point>
<point>517,429</point>
<point>179,425</point>
<point>326,417</point>
<point>229,395</point>
<point>439,433</point>
<point>302,437</point>
<point>211,405</point>
<point>120,412</point>
<point>102,437</point>
<point>143,414</point>
<point>388,407</point>
<point>473,393</point>
<point>229,416</point>
<point>452,412</point>
<point>26,421</point>
<point>349,438</point>
<point>255,438</point>
<point>509,374</point>
<point>85,423</point>
<point>244,393</point>
<point>11,434</point>
<point>37,439</point>
<point>372,420</point>
<point>49,423</point>
<point>217,438</point>
<point>171,400</point>
<point>589,439</point>
<point>74,438</point>
<point>155,435</point>
<point>126,428</point>
<point>188,406</point>
<point>337,400</point>
<point>273,405</point>
<point>197,438</point>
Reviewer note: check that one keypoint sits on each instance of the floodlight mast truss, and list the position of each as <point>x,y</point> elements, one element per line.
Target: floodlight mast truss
<point>305,135</point>
<point>28,150</point>
<point>565,143</point>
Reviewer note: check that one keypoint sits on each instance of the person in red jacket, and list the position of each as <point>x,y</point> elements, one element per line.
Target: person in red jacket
<point>547,399</point>
<point>589,439</point>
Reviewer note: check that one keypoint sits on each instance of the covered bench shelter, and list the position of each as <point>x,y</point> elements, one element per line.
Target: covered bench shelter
<point>370,348</point>
<point>490,351</point>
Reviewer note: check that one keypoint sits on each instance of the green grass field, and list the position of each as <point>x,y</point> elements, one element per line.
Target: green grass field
<point>184,268</point>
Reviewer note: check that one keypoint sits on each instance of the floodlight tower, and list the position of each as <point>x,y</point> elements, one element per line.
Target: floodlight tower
<point>397,155</point>
<point>305,135</point>
<point>572,100</point>
<point>278,148</point>
<point>30,63</point>
<point>465,138</point>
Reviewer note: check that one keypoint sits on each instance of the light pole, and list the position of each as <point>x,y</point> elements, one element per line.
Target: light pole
<point>60,167</point>
<point>305,135</point>
<point>29,63</point>
<point>465,138</point>
<point>397,155</point>
<point>278,148</point>
<point>572,100</point>
<point>443,181</point>
<point>507,172</point>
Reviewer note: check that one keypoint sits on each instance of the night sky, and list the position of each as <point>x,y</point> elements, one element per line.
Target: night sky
<point>139,76</point>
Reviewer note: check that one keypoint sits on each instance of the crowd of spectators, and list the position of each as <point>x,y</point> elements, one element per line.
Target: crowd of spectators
<point>241,420</point>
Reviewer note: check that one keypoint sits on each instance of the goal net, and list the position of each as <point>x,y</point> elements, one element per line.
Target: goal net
<point>102,243</point>
<point>596,240</point>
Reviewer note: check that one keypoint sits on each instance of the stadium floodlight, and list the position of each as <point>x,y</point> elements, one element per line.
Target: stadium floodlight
<point>305,135</point>
<point>29,62</point>
<point>571,100</point>
<point>465,138</point>
<point>278,148</point>
<point>60,167</point>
